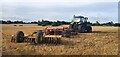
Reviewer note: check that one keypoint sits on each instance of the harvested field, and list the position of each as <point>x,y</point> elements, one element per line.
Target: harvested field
<point>102,41</point>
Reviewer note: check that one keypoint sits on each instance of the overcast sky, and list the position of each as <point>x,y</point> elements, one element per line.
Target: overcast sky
<point>63,10</point>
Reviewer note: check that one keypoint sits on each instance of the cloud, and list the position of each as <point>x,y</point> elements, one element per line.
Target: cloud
<point>59,1</point>
<point>60,10</point>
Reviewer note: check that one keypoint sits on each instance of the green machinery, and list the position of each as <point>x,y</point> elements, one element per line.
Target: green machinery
<point>80,24</point>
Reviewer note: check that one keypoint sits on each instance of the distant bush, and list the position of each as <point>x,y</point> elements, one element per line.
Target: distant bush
<point>97,24</point>
<point>57,23</point>
<point>105,24</point>
<point>117,24</point>
<point>16,22</point>
<point>44,23</point>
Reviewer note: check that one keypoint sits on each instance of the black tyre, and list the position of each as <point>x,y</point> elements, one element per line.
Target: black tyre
<point>19,37</point>
<point>39,37</point>
<point>89,29</point>
<point>81,28</point>
<point>71,26</point>
<point>75,27</point>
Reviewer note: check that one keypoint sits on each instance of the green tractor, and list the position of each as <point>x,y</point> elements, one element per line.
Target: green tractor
<point>80,24</point>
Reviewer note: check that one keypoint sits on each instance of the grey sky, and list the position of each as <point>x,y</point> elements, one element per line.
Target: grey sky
<point>63,10</point>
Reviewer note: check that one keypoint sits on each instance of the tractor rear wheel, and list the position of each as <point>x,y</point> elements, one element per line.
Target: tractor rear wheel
<point>81,28</point>
<point>39,37</point>
<point>89,29</point>
<point>19,37</point>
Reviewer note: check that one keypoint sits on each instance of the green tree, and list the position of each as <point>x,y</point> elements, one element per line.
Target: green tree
<point>97,23</point>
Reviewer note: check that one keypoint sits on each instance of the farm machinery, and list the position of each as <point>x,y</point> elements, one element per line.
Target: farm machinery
<point>54,34</point>
<point>48,35</point>
<point>80,24</point>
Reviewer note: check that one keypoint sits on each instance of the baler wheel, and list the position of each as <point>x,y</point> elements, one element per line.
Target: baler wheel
<point>19,37</point>
<point>39,37</point>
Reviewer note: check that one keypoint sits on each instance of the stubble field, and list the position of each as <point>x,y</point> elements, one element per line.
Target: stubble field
<point>102,41</point>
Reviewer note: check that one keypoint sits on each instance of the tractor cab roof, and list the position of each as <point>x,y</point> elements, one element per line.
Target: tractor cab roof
<point>78,16</point>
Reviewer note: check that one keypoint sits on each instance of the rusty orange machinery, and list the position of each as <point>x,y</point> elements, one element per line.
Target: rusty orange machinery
<point>36,38</point>
<point>48,35</point>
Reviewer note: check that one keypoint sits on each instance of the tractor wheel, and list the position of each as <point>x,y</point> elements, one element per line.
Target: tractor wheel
<point>89,29</point>
<point>19,37</point>
<point>39,37</point>
<point>81,28</point>
<point>75,27</point>
<point>71,26</point>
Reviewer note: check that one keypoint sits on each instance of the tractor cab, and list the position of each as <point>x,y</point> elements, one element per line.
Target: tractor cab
<point>79,19</point>
<point>80,24</point>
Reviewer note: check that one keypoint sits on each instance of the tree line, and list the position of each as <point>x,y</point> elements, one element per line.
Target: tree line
<point>56,23</point>
<point>105,24</point>
<point>16,22</point>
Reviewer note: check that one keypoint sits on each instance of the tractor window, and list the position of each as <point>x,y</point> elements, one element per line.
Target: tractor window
<point>81,19</point>
<point>76,20</point>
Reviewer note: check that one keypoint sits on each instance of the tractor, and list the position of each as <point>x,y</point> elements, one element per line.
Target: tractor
<point>80,24</point>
